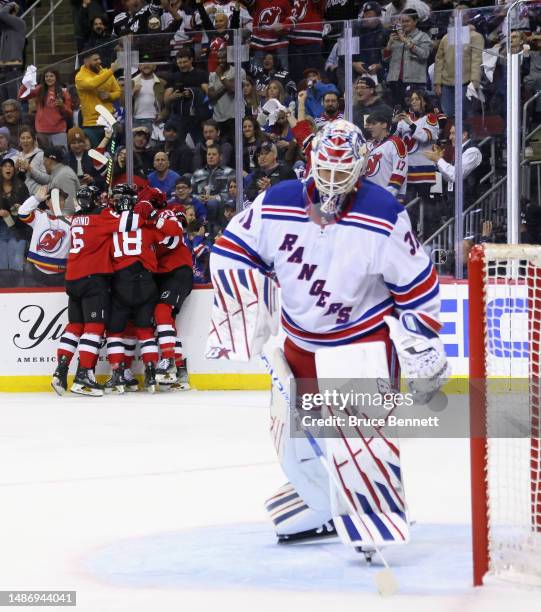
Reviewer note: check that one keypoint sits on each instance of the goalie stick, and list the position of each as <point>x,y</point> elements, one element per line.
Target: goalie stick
<point>385,579</point>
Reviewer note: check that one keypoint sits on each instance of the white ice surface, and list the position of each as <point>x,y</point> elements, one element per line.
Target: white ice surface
<point>155,503</point>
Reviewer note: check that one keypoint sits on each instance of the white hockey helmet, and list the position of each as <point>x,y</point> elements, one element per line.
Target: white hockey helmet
<point>337,148</point>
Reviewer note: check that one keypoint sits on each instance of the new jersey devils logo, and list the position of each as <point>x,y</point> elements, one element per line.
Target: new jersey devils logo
<point>372,166</point>
<point>269,16</point>
<point>51,240</point>
<point>411,144</point>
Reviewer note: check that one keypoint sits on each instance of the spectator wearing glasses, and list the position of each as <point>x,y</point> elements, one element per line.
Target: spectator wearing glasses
<point>14,119</point>
<point>368,102</point>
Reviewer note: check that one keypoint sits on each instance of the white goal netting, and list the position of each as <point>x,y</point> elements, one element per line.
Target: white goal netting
<point>512,324</point>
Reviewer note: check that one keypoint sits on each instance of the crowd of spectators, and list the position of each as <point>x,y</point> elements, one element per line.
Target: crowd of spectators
<point>185,100</point>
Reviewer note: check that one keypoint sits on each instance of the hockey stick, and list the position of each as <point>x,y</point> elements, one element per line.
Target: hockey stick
<point>385,579</point>
<point>106,116</point>
<point>99,157</point>
<point>55,202</point>
<point>109,120</point>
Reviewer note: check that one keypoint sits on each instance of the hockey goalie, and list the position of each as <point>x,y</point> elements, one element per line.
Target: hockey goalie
<point>357,292</point>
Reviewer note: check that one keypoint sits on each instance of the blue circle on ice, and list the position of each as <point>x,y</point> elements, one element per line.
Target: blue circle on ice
<point>437,560</point>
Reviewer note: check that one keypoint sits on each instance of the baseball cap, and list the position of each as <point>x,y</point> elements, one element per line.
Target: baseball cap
<point>379,117</point>
<point>170,125</point>
<point>7,160</point>
<point>4,131</point>
<point>375,7</point>
<point>266,147</point>
<point>56,153</point>
<point>76,134</point>
<point>367,81</point>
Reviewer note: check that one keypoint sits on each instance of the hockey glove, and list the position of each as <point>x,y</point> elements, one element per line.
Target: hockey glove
<point>421,355</point>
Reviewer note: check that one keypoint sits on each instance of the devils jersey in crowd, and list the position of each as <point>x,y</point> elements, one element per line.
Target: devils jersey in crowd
<point>338,281</point>
<point>419,137</point>
<point>50,242</point>
<point>387,164</point>
<point>308,16</point>
<point>267,13</point>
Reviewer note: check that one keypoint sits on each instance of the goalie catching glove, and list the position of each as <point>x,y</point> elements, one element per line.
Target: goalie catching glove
<point>421,355</point>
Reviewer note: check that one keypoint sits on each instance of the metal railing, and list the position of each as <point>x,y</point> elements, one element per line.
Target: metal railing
<point>490,206</point>
<point>34,26</point>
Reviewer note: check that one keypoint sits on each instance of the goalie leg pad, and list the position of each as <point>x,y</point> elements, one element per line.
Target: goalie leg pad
<point>290,513</point>
<point>304,471</point>
<point>366,465</point>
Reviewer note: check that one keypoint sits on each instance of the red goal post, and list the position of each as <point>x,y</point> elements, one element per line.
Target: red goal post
<point>504,346</point>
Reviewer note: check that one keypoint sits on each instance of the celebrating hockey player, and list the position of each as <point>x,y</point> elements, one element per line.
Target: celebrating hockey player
<point>134,293</point>
<point>354,282</point>
<point>88,277</point>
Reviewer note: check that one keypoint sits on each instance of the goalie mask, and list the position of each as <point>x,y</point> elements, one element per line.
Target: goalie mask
<point>87,198</point>
<point>337,158</point>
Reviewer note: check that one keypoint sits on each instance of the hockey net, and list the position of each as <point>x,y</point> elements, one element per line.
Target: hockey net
<point>504,338</point>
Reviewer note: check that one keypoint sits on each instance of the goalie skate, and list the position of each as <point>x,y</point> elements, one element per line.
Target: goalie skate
<point>311,535</point>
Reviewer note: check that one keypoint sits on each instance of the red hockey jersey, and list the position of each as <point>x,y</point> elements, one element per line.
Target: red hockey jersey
<point>91,236</point>
<point>140,245</point>
<point>308,16</point>
<point>266,14</point>
<point>171,251</point>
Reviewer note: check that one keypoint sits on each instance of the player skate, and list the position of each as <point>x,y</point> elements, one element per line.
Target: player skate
<point>85,383</point>
<point>131,384</point>
<point>166,371</point>
<point>117,382</point>
<point>181,382</point>
<point>60,376</point>
<point>150,378</point>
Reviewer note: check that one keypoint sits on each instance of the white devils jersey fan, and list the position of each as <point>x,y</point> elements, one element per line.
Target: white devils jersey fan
<point>353,277</point>
<point>387,164</point>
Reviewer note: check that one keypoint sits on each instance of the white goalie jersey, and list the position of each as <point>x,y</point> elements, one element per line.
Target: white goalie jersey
<point>338,281</point>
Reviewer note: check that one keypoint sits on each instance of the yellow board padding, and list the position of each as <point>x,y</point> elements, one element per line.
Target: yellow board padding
<point>203,382</point>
